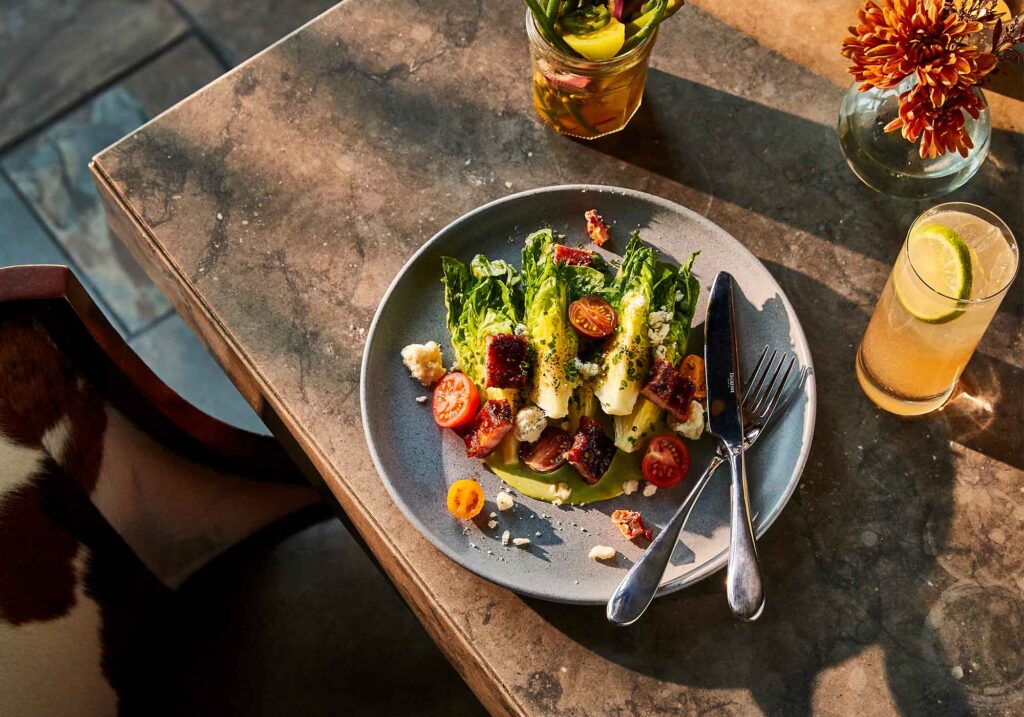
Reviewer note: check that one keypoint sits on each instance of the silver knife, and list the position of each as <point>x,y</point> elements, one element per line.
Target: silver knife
<point>744,586</point>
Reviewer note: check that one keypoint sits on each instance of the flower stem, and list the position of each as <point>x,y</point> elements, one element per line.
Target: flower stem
<point>645,31</point>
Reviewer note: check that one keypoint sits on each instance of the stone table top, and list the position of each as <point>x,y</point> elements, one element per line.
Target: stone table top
<point>275,206</point>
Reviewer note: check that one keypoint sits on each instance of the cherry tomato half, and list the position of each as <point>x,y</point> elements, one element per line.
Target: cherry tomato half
<point>592,316</point>
<point>455,401</point>
<point>692,368</point>
<point>667,461</point>
<point>465,499</point>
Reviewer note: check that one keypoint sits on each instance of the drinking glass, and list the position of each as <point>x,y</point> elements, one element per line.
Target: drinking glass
<point>583,98</point>
<point>952,273</point>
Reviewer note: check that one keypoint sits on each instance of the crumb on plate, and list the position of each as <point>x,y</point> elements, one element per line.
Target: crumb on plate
<point>602,552</point>
<point>424,362</point>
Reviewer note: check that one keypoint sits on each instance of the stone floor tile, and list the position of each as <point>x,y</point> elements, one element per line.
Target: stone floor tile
<point>243,29</point>
<point>22,239</point>
<point>55,52</point>
<point>51,170</point>
<point>177,356</point>
<point>309,627</point>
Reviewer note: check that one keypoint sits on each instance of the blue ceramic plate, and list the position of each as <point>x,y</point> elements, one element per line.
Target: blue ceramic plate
<point>417,461</point>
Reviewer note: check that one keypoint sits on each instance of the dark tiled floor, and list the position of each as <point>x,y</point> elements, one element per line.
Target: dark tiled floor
<point>55,52</point>
<point>308,626</point>
<point>171,350</point>
<point>241,29</point>
<point>22,239</point>
<point>50,171</point>
<point>369,655</point>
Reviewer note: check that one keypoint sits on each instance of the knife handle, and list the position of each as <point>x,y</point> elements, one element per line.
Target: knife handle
<point>744,585</point>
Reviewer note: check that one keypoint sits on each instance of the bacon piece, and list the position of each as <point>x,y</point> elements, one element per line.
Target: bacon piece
<point>490,426</point>
<point>592,451</point>
<point>573,257</point>
<point>669,389</point>
<point>548,452</point>
<point>631,524</point>
<point>506,360</point>
<point>596,227</point>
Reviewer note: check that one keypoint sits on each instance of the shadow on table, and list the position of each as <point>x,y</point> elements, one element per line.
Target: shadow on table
<point>855,565</point>
<point>851,571</point>
<point>792,170</point>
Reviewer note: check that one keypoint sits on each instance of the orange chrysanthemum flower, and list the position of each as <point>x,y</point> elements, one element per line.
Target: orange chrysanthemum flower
<point>902,37</point>
<point>941,129</point>
<point>930,40</point>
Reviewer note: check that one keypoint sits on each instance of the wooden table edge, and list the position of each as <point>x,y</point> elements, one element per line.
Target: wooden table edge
<point>127,225</point>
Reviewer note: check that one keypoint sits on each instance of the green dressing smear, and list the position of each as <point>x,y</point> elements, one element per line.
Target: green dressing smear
<point>625,466</point>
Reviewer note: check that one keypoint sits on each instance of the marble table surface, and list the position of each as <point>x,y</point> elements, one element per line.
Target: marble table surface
<point>275,206</point>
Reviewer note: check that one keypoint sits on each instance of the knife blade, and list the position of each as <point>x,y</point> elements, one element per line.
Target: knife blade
<point>721,364</point>
<point>744,585</point>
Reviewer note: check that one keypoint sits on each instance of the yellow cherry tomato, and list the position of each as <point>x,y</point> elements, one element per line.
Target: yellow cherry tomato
<point>599,45</point>
<point>465,499</point>
<point>692,368</point>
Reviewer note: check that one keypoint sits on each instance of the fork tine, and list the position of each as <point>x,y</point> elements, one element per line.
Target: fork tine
<point>755,378</point>
<point>765,381</point>
<point>773,404</point>
<point>780,387</point>
<point>765,397</point>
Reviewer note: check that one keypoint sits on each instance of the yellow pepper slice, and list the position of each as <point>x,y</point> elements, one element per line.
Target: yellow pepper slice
<point>600,45</point>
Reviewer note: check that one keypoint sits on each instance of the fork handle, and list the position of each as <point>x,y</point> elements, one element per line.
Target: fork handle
<point>636,591</point>
<point>744,584</point>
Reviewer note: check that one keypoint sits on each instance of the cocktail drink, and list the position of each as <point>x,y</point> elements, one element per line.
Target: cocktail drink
<point>954,269</point>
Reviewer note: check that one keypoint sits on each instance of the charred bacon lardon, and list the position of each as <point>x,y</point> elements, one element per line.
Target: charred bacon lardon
<point>573,257</point>
<point>596,228</point>
<point>592,451</point>
<point>492,423</point>
<point>631,524</point>
<point>548,452</point>
<point>506,360</point>
<point>669,389</point>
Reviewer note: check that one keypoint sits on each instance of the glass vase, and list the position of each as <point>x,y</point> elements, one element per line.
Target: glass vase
<point>888,163</point>
<point>583,98</point>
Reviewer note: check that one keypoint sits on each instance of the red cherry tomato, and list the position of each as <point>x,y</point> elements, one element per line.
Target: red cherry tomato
<point>667,461</point>
<point>455,401</point>
<point>592,316</point>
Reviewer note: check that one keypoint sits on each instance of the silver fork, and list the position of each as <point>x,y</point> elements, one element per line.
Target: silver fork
<point>765,394</point>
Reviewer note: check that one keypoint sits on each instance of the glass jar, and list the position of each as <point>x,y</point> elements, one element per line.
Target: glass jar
<point>583,98</point>
<point>888,163</point>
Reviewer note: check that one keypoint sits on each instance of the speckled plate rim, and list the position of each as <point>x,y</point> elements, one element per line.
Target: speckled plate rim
<point>762,523</point>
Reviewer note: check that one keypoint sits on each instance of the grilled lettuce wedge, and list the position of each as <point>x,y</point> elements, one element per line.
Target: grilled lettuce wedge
<point>553,342</point>
<point>675,292</point>
<point>625,362</point>
<point>482,299</point>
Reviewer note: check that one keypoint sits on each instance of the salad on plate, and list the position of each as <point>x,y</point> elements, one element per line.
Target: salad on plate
<point>571,379</point>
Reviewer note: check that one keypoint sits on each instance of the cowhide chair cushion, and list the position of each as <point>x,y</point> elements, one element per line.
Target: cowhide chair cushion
<point>99,523</point>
